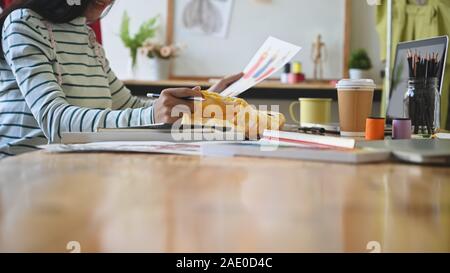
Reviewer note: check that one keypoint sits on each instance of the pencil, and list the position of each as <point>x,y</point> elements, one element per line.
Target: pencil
<point>411,70</point>
<point>157,96</point>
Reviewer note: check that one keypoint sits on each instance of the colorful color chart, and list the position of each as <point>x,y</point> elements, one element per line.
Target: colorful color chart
<point>270,58</point>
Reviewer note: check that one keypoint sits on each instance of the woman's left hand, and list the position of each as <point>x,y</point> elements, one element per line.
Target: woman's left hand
<point>225,82</point>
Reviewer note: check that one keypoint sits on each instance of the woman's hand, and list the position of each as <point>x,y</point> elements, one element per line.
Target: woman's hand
<point>172,104</point>
<point>224,83</point>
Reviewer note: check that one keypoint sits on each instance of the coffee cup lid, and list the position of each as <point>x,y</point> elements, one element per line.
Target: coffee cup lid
<point>355,84</point>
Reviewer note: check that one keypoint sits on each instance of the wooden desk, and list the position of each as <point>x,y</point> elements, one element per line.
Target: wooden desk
<point>128,202</point>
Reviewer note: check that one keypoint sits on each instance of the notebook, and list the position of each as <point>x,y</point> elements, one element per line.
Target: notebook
<point>306,140</point>
<point>291,145</point>
<point>159,132</point>
<point>252,149</point>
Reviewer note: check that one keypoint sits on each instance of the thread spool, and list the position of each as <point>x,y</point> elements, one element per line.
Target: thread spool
<point>375,128</point>
<point>296,76</point>
<point>401,128</point>
<point>286,73</point>
<point>297,68</point>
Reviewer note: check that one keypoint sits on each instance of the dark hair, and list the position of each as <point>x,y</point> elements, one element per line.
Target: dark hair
<point>55,11</point>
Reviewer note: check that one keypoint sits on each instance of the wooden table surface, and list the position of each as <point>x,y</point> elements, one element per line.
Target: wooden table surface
<point>158,203</point>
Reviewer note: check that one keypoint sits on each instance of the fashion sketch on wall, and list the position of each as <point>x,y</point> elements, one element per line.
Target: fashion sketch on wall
<point>207,17</point>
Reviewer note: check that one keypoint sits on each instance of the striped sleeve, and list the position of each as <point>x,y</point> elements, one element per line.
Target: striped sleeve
<point>121,95</point>
<point>30,57</point>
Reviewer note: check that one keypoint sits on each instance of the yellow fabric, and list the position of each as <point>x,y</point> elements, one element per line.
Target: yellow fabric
<point>415,22</point>
<point>217,110</point>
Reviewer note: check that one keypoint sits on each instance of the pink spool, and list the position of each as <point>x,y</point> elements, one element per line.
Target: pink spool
<point>401,128</point>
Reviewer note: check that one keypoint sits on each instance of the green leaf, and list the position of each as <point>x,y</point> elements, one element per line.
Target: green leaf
<point>125,30</point>
<point>146,31</point>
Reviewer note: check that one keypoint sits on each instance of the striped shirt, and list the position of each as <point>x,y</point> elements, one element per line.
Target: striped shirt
<point>53,81</point>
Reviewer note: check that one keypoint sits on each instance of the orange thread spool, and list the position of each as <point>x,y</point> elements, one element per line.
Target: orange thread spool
<point>375,128</point>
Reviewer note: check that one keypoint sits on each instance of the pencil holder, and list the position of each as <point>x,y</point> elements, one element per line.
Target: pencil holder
<point>422,104</point>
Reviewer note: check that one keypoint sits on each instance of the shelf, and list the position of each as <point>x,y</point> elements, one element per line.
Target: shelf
<point>310,85</point>
<point>265,90</point>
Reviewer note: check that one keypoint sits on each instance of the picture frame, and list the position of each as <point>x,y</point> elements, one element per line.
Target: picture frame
<point>171,38</point>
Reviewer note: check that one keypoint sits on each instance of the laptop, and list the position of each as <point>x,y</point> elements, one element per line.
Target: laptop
<point>417,151</point>
<point>400,75</point>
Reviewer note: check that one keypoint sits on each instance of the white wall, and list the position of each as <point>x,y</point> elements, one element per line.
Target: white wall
<point>295,21</point>
<point>139,11</point>
<point>365,36</point>
<point>363,33</point>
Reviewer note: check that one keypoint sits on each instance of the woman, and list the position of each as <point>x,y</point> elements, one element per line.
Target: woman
<point>54,77</point>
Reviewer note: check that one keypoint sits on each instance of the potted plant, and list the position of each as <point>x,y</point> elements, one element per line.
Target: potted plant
<point>359,64</point>
<point>146,31</point>
<point>159,55</point>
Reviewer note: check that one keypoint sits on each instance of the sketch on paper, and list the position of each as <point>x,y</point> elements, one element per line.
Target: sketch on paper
<point>270,58</point>
<point>208,17</point>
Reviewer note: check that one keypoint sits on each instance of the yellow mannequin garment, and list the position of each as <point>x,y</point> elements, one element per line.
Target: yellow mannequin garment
<point>415,22</point>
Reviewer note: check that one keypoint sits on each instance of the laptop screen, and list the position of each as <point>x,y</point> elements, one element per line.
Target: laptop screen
<point>400,74</point>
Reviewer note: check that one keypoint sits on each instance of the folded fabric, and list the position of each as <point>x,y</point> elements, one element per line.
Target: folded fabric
<point>236,113</point>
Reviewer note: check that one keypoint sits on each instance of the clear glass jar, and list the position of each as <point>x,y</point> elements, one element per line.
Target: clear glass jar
<point>422,104</point>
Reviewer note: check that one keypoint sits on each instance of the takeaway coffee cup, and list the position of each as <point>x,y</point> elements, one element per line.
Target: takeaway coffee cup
<point>355,105</point>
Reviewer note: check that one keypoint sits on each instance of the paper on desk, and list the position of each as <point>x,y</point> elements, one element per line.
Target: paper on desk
<point>128,146</point>
<point>271,57</point>
<point>149,147</point>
